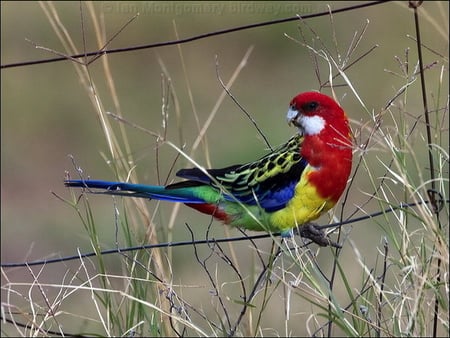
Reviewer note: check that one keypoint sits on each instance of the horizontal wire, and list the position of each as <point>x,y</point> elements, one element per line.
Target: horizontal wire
<point>205,241</point>
<point>192,38</point>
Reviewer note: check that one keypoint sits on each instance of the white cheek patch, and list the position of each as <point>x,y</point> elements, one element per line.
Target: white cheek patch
<point>312,125</point>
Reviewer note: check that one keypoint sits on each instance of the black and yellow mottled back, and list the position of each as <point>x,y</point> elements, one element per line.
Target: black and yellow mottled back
<point>268,182</point>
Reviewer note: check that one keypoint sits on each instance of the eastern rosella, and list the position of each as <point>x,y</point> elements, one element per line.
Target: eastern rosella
<point>287,188</point>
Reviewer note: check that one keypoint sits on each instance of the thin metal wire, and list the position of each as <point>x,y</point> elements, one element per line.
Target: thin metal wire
<point>192,38</point>
<point>206,241</point>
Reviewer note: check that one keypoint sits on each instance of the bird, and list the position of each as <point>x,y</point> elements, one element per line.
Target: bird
<point>286,189</point>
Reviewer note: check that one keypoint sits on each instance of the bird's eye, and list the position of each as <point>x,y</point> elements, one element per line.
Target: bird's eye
<point>310,106</point>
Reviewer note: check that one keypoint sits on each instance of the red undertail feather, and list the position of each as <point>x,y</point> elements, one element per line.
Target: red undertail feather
<point>211,209</point>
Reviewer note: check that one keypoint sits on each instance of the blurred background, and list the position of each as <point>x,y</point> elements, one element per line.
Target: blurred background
<point>46,113</point>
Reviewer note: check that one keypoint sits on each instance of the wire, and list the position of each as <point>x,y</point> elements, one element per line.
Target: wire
<point>205,241</point>
<point>192,38</point>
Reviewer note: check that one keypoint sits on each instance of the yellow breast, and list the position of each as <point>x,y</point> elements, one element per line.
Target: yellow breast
<point>305,206</point>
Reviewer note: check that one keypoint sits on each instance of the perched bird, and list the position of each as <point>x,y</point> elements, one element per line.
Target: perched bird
<point>288,188</point>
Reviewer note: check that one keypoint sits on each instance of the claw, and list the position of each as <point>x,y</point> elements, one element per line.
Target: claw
<point>310,231</point>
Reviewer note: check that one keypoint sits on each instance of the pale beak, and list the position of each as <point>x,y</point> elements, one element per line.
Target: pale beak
<point>291,116</point>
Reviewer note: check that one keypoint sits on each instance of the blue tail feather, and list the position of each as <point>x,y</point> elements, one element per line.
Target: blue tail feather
<point>182,195</point>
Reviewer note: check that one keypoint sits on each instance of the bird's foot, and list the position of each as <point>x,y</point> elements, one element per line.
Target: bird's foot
<point>318,236</point>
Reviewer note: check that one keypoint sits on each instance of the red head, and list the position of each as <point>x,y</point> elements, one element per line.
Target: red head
<point>312,111</point>
<point>327,144</point>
